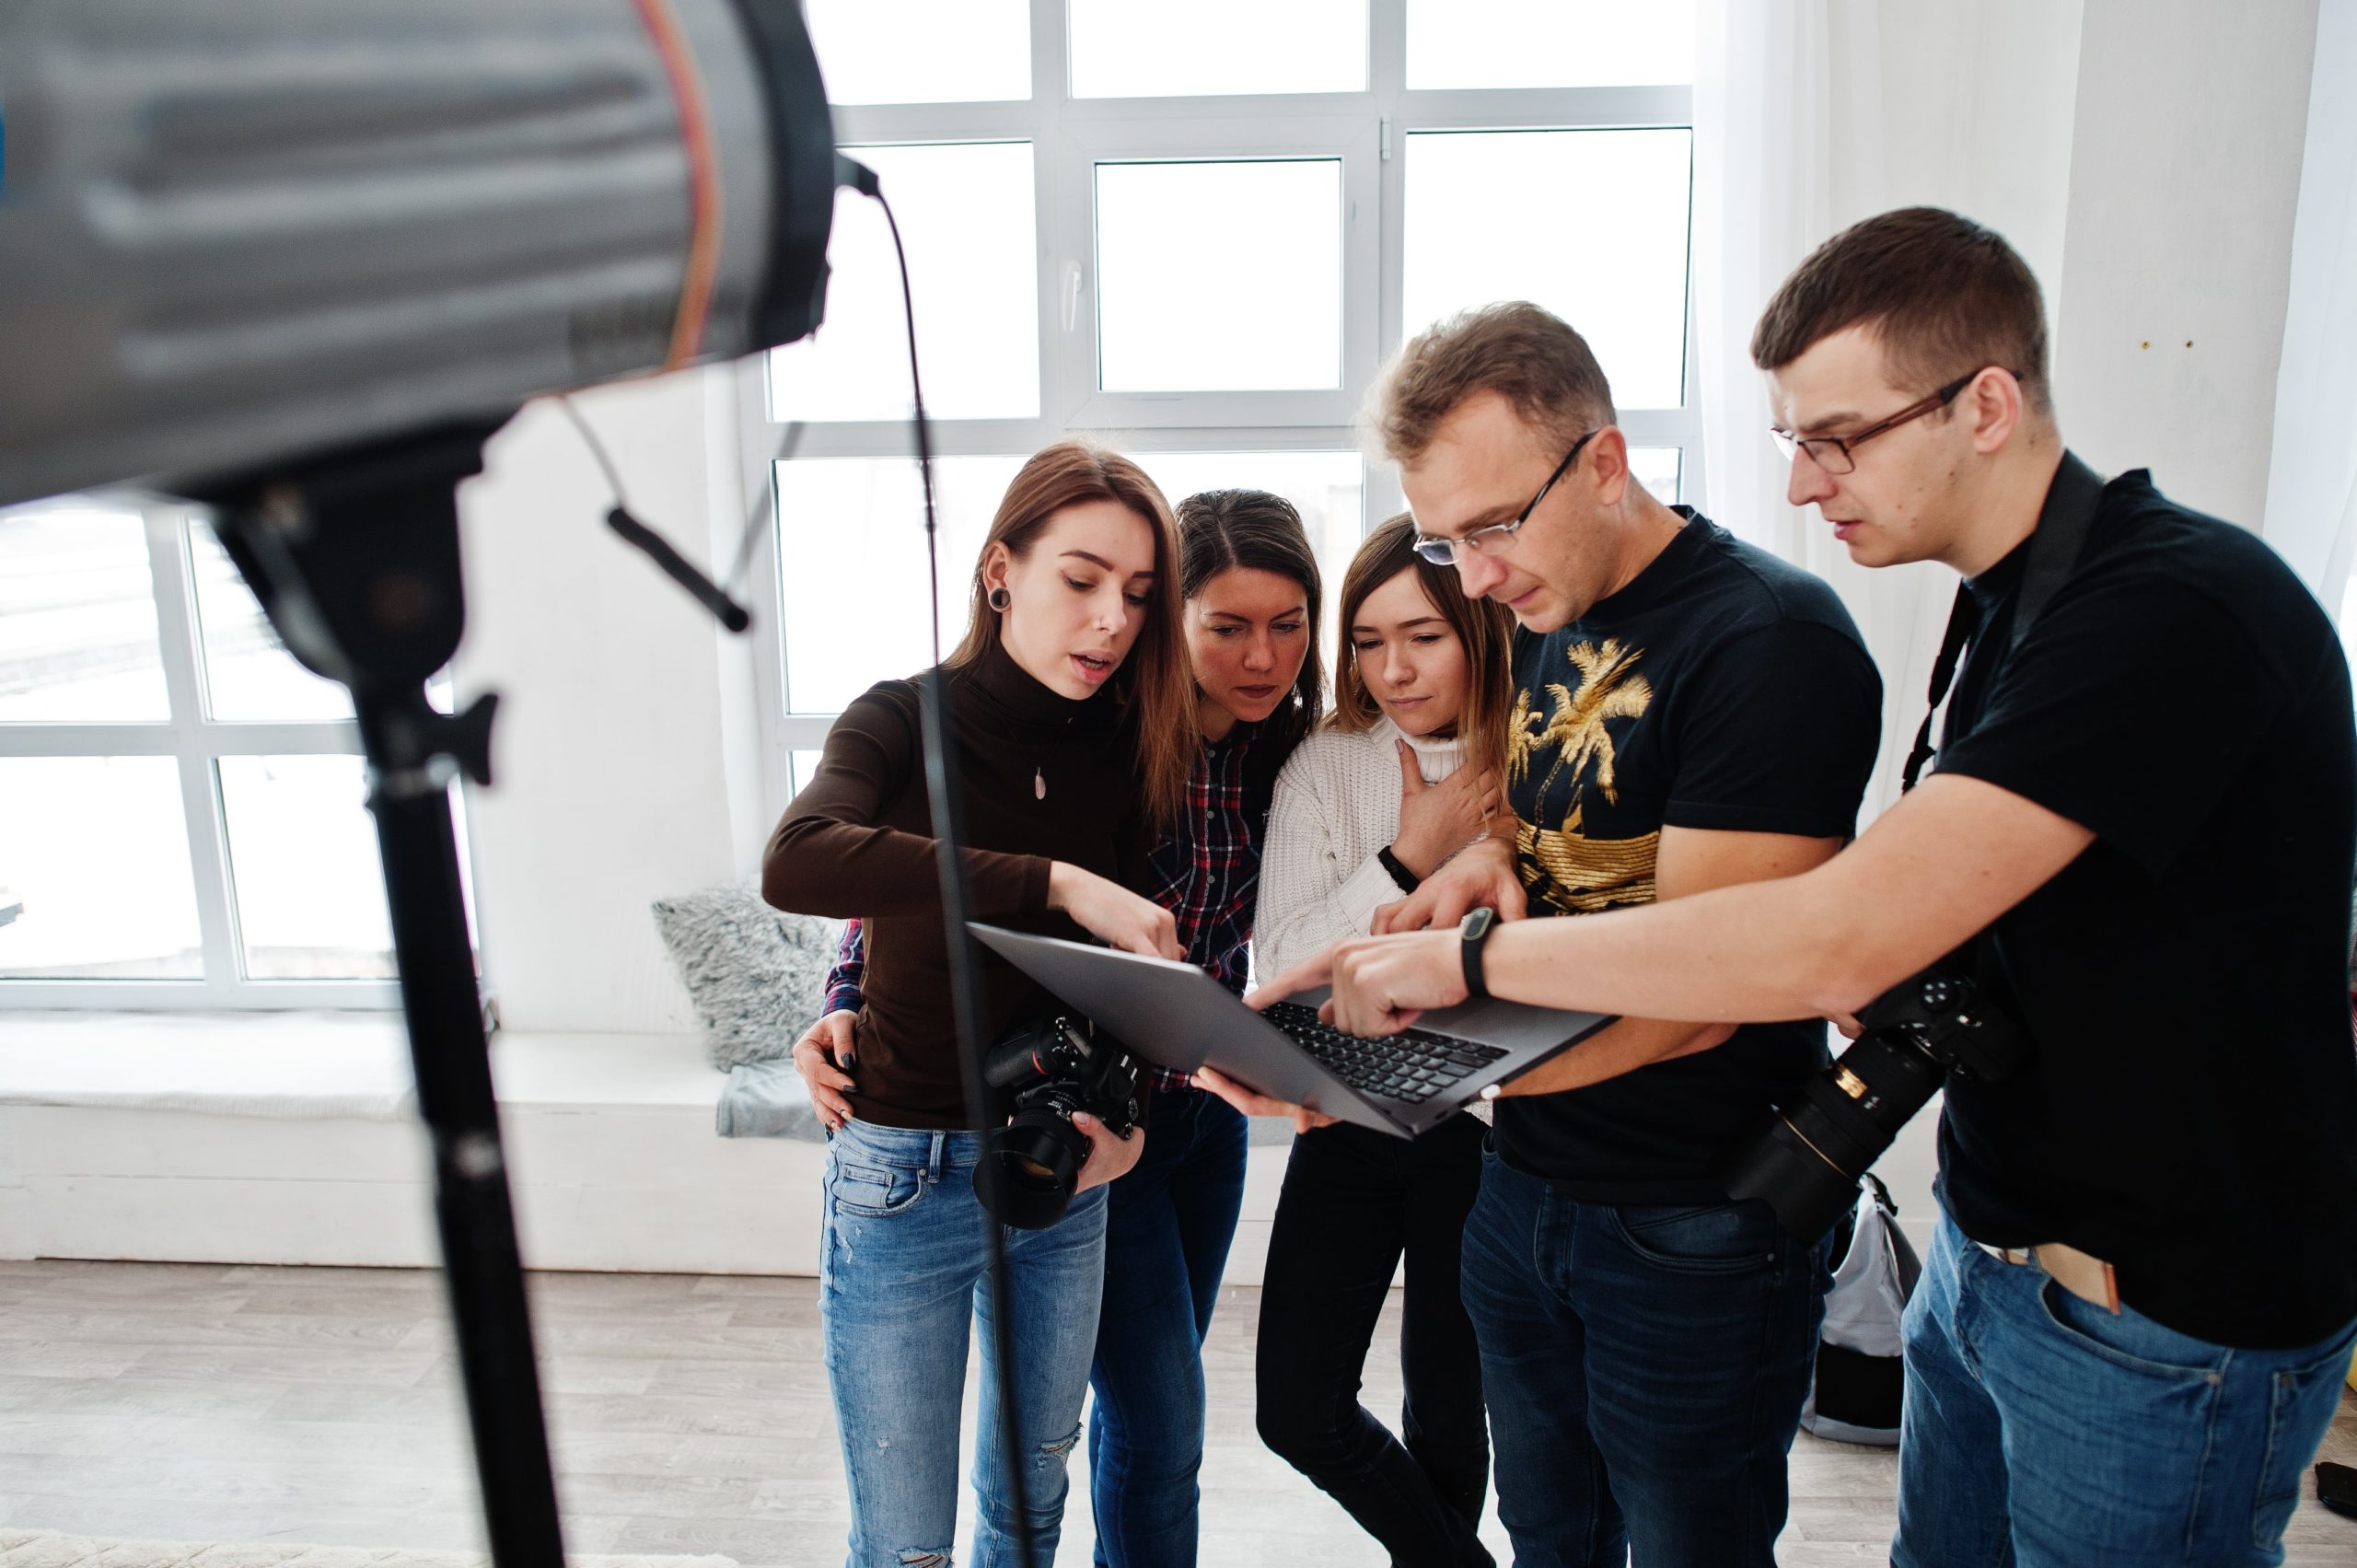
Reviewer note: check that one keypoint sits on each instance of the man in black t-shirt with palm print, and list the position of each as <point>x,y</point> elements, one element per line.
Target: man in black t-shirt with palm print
<point>1690,713</point>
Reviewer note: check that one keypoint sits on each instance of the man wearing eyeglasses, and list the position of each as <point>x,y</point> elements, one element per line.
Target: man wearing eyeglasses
<point>2132,1330</point>
<point>1692,712</point>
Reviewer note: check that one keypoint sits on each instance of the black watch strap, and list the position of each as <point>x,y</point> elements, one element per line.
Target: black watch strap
<point>1472,933</point>
<point>1407,880</point>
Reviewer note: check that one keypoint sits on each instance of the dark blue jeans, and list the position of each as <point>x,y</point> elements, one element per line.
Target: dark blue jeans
<point>1168,1231</point>
<point>1645,1369</point>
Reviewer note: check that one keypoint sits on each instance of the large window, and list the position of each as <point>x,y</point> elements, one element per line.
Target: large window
<point>1195,232</point>
<point>181,813</point>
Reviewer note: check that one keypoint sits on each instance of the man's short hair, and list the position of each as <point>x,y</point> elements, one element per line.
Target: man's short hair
<point>1945,296</point>
<point>1529,356</point>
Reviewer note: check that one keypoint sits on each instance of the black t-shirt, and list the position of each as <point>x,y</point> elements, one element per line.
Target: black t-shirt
<point>1723,689</point>
<point>2189,1112</point>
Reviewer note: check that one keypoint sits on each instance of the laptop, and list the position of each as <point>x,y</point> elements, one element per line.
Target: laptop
<point>1176,1016</point>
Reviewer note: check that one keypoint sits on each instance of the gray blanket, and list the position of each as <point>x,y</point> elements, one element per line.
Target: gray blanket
<point>766,1099</point>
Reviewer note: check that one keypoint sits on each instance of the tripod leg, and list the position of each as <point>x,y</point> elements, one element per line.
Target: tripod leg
<point>481,1265</point>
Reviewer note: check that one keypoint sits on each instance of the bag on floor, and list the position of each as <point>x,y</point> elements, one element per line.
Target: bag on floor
<point>1859,1381</point>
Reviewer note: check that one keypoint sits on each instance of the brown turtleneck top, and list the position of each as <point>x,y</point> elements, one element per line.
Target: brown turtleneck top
<point>1046,778</point>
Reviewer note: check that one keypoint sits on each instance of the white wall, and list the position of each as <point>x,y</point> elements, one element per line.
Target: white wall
<point>2184,169</point>
<point>2312,481</point>
<point>614,751</point>
<point>1976,109</point>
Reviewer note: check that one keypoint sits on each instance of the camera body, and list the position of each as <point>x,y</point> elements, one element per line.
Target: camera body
<point>1058,1066</point>
<point>1805,1162</point>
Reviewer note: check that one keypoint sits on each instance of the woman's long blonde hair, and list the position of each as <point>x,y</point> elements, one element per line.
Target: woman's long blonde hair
<point>1484,626</point>
<point>1155,685</point>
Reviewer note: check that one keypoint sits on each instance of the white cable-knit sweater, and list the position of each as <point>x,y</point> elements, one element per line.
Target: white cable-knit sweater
<point>1337,803</point>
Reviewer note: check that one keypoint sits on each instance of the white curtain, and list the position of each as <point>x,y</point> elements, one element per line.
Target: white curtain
<point>1789,141</point>
<point>2311,475</point>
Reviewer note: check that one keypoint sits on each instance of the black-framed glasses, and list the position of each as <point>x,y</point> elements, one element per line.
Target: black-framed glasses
<point>1498,537</point>
<point>1836,454</point>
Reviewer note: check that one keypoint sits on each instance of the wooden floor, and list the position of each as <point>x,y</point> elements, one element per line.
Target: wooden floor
<point>689,1414</point>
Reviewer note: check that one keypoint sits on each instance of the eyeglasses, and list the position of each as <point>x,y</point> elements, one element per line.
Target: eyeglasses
<point>1835,454</point>
<point>1498,537</point>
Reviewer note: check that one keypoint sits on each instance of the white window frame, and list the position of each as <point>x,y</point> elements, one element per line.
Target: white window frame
<point>195,742</point>
<point>1366,129</point>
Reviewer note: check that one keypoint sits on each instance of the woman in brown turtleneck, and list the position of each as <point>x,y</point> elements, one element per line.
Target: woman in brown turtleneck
<point>1074,711</point>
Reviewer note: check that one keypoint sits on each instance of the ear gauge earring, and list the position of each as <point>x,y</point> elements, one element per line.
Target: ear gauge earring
<point>1000,598</point>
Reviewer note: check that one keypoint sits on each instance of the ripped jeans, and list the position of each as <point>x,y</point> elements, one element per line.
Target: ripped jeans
<point>900,1288</point>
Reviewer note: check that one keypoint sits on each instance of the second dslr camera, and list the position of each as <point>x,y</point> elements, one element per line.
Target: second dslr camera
<point>1030,1167</point>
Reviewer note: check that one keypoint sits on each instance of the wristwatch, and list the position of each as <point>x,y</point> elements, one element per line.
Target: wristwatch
<point>1471,933</point>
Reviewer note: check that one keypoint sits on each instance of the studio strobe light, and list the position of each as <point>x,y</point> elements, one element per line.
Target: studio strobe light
<point>237,231</point>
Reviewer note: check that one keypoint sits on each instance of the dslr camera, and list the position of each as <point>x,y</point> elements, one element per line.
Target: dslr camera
<point>1806,1161</point>
<point>1057,1066</point>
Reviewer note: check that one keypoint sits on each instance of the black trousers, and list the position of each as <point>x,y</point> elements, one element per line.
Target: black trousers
<point>1353,1202</point>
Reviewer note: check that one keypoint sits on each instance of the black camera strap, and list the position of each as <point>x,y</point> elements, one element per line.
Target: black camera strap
<point>2054,545</point>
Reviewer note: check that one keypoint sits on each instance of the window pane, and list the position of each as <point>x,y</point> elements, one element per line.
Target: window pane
<point>1178,314</point>
<point>851,577</point>
<point>1327,488</point>
<point>1122,49</point>
<point>94,859</point>
<point>1549,43</point>
<point>966,216</point>
<point>1475,235</point>
<point>801,767</point>
<point>921,51</point>
<point>1660,471</point>
<point>249,674</point>
<point>78,620</point>
<point>310,888</point>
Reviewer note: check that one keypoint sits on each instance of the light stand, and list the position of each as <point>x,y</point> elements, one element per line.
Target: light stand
<point>355,560</point>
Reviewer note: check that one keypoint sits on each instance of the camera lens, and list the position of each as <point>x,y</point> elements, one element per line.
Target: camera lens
<point>1805,1162</point>
<point>1030,1167</point>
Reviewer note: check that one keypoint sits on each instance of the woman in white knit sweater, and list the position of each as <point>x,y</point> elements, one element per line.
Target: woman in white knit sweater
<point>1403,775</point>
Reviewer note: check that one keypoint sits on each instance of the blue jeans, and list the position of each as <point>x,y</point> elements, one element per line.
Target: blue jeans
<point>1168,1230</point>
<point>901,1262</point>
<point>2042,1431</point>
<point>1645,1369</point>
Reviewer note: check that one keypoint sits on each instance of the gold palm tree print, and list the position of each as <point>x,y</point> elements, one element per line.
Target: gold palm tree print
<point>1564,868</point>
<point>1609,688</point>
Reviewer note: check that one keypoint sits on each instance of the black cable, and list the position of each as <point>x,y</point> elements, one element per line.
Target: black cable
<point>941,773</point>
<point>923,429</point>
<point>626,523</point>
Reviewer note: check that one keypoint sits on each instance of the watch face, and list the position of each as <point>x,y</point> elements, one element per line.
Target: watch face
<point>1477,923</point>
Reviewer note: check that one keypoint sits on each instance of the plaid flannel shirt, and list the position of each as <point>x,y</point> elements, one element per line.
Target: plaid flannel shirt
<point>851,968</point>
<point>1207,874</point>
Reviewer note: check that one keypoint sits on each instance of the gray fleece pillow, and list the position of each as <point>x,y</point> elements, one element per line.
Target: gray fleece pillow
<point>756,976</point>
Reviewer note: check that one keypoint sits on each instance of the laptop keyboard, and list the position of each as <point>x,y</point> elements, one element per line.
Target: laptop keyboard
<point>1410,1066</point>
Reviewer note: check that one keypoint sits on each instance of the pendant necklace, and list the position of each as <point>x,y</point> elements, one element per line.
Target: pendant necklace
<point>1039,782</point>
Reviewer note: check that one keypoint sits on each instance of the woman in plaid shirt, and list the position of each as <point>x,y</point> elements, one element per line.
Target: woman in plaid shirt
<point>1250,583</point>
